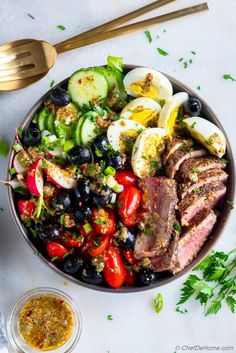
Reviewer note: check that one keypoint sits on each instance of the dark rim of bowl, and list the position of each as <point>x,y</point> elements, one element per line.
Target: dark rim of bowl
<point>217,231</point>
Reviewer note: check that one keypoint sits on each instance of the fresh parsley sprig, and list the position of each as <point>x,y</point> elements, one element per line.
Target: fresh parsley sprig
<point>215,285</point>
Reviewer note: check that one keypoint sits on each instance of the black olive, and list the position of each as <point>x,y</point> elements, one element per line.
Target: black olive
<point>80,155</point>
<point>59,97</point>
<point>146,277</point>
<point>101,197</point>
<point>126,238</point>
<point>61,201</point>
<point>101,146</point>
<point>82,214</point>
<point>116,160</point>
<point>72,264</point>
<point>82,190</point>
<point>193,106</point>
<point>48,231</point>
<point>91,276</point>
<point>31,136</point>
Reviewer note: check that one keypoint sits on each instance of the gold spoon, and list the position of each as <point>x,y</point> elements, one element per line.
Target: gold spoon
<point>26,61</point>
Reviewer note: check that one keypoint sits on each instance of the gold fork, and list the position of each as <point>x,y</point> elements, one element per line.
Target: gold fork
<point>26,61</point>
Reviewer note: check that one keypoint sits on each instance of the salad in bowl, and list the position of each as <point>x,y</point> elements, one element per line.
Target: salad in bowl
<point>119,178</point>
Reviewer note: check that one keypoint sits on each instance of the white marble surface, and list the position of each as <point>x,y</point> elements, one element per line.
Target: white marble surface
<point>136,327</point>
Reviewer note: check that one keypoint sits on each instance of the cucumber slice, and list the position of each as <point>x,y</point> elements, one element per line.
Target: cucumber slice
<point>76,130</point>
<point>41,119</point>
<point>87,86</point>
<point>89,129</point>
<point>68,114</point>
<point>49,123</point>
<point>116,93</point>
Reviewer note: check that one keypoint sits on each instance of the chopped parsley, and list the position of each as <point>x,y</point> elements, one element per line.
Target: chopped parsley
<point>177,227</point>
<point>158,303</point>
<point>12,171</point>
<point>148,231</point>
<point>196,170</point>
<point>61,27</point>
<point>100,222</point>
<point>4,149</point>
<point>190,61</point>
<point>193,125</point>
<point>44,165</point>
<point>198,88</point>
<point>181,59</point>
<point>229,77</point>
<point>31,16</point>
<point>196,190</point>
<point>109,317</point>
<point>153,164</point>
<point>230,203</point>
<point>193,52</point>
<point>52,83</point>
<point>162,52</point>
<point>148,35</point>
<point>185,65</point>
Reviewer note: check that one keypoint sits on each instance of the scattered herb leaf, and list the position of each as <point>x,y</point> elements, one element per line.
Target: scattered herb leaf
<point>162,52</point>
<point>198,88</point>
<point>4,149</point>
<point>61,27</point>
<point>12,171</point>
<point>31,16</point>
<point>193,52</point>
<point>158,303</point>
<point>109,317</point>
<point>52,83</point>
<point>229,77</point>
<point>148,35</point>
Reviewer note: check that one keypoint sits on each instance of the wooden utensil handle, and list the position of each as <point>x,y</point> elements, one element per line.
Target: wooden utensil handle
<point>116,22</point>
<point>81,41</point>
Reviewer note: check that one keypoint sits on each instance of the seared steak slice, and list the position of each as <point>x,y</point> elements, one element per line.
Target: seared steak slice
<point>174,144</point>
<point>159,196</point>
<point>206,177</point>
<point>168,260</point>
<point>193,238</point>
<point>179,156</point>
<point>190,169</point>
<point>206,197</point>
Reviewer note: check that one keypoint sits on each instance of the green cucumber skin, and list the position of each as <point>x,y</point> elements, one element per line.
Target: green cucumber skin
<point>84,95</point>
<point>41,119</point>
<point>76,130</point>
<point>50,123</point>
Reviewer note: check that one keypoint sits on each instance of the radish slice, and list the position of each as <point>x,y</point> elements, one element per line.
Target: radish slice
<point>34,179</point>
<point>17,165</point>
<point>59,177</point>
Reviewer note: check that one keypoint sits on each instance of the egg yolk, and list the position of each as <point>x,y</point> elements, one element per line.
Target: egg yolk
<point>172,120</point>
<point>144,116</point>
<point>142,89</point>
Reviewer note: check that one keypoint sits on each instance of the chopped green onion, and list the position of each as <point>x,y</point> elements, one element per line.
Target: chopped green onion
<point>118,188</point>
<point>12,171</point>
<point>4,149</point>
<point>87,228</point>
<point>98,153</point>
<point>62,217</point>
<point>110,171</point>
<point>17,147</point>
<point>158,303</point>
<point>54,258</point>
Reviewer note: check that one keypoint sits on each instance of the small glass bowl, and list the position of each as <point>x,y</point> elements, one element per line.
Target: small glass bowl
<point>15,337</point>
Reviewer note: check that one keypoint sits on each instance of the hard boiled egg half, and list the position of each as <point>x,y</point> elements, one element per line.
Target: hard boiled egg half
<point>123,133</point>
<point>207,134</point>
<point>146,154</point>
<point>170,110</point>
<point>143,110</point>
<point>145,82</point>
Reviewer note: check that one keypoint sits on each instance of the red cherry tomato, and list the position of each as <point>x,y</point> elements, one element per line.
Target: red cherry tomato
<point>129,255</point>
<point>131,277</point>
<point>26,208</point>
<point>98,244</point>
<point>114,270</point>
<point>87,230</point>
<point>56,250</point>
<point>71,239</point>
<point>126,178</point>
<point>104,221</point>
<point>128,202</point>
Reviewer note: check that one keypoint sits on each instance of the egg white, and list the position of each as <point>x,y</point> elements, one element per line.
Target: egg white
<point>169,111</point>
<point>207,134</point>
<point>146,150</point>
<point>117,128</point>
<point>160,82</point>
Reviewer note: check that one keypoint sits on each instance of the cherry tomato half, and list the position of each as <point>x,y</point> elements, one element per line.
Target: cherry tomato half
<point>126,178</point>
<point>114,270</point>
<point>56,250</point>
<point>104,221</point>
<point>131,278</point>
<point>26,208</point>
<point>71,239</point>
<point>128,202</point>
<point>98,244</point>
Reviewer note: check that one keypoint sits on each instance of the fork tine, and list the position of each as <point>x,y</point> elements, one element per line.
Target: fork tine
<point>19,60</point>
<point>16,72</point>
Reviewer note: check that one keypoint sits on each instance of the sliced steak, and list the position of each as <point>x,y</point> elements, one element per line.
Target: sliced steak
<point>174,144</point>
<point>179,156</point>
<point>206,177</point>
<point>194,238</point>
<point>169,259</point>
<point>190,169</point>
<point>206,197</point>
<point>159,196</point>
